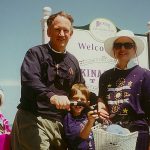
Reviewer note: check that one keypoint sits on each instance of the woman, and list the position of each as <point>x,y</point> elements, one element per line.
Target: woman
<point>124,91</point>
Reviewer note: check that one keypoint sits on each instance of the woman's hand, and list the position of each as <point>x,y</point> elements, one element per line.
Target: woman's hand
<point>102,111</point>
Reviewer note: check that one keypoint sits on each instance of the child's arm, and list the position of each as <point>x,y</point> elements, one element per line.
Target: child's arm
<point>85,132</point>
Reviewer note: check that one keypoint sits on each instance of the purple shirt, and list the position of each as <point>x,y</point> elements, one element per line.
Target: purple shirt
<point>72,128</point>
<point>127,95</point>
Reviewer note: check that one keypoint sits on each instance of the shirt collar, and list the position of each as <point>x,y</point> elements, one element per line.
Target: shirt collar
<point>56,51</point>
<point>130,65</point>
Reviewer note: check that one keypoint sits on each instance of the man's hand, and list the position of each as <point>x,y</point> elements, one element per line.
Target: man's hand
<point>61,102</point>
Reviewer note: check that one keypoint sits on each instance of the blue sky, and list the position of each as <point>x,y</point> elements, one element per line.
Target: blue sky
<point>20,29</point>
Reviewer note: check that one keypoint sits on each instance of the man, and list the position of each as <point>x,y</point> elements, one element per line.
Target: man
<point>47,74</point>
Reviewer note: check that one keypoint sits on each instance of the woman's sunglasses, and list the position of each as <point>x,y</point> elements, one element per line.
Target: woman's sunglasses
<point>127,45</point>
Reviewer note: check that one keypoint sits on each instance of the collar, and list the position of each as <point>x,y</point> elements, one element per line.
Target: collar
<point>130,65</point>
<point>56,51</point>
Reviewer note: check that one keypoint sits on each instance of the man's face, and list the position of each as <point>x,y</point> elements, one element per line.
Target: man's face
<point>59,32</point>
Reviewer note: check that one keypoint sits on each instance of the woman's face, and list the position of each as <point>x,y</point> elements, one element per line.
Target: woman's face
<point>79,96</point>
<point>124,49</point>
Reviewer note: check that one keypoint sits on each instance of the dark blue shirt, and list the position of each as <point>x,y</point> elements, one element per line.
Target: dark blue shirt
<point>45,73</point>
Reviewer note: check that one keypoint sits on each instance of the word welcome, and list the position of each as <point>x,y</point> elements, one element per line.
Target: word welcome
<point>90,46</point>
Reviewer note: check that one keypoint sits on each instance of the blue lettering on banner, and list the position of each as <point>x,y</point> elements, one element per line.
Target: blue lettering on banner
<point>91,73</point>
<point>90,46</point>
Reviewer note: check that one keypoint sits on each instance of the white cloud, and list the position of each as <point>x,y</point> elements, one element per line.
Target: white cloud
<point>8,82</point>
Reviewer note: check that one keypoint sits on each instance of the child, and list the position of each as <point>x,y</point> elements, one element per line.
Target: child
<point>4,128</point>
<point>77,123</point>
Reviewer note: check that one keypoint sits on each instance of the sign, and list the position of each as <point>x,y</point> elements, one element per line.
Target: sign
<point>91,55</point>
<point>102,28</point>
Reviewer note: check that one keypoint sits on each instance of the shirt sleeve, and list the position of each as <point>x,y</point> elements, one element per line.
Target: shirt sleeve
<point>145,93</point>
<point>102,86</point>
<point>31,76</point>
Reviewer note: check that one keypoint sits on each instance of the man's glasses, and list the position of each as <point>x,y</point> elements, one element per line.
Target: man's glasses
<point>127,45</point>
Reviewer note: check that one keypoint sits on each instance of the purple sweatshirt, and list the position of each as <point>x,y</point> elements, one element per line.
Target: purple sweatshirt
<point>72,128</point>
<point>127,95</point>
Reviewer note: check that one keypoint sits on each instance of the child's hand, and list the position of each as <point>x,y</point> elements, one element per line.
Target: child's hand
<point>92,115</point>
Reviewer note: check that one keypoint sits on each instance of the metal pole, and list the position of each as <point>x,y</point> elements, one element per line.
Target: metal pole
<point>148,41</point>
<point>47,11</point>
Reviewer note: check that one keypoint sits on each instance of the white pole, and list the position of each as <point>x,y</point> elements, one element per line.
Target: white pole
<point>47,11</point>
<point>148,25</point>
